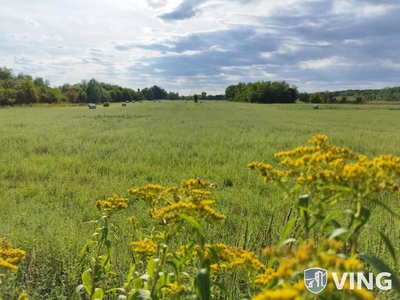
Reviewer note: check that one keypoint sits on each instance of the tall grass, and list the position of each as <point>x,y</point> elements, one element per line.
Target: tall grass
<point>55,162</point>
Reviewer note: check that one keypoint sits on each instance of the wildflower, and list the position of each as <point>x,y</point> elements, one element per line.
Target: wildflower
<point>175,288</point>
<point>144,247</point>
<point>133,221</point>
<point>199,210</point>
<point>112,204</point>
<point>265,278</point>
<point>23,296</point>
<point>232,257</point>
<point>324,166</point>
<point>10,257</point>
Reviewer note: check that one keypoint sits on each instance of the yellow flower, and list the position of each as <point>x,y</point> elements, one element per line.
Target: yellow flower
<point>176,288</point>
<point>144,247</point>
<point>23,296</point>
<point>112,204</point>
<point>10,257</point>
<point>265,278</point>
<point>133,221</point>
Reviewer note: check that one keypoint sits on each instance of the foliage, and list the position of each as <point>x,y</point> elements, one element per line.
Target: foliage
<point>54,159</point>
<point>352,96</point>
<point>262,92</point>
<point>166,268</point>
<point>9,259</point>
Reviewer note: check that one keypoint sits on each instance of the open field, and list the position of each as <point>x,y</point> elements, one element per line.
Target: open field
<point>55,162</point>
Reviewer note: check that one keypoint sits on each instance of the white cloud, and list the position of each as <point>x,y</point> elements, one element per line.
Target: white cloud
<point>189,45</point>
<point>324,63</point>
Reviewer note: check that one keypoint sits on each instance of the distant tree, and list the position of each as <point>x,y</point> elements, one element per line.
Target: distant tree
<point>262,92</point>
<point>127,95</point>
<point>148,94</point>
<point>39,81</point>
<point>6,74</point>
<point>71,96</point>
<point>27,93</point>
<point>317,98</point>
<point>7,96</point>
<point>358,100</point>
<point>203,95</point>
<point>304,97</point>
<point>196,98</point>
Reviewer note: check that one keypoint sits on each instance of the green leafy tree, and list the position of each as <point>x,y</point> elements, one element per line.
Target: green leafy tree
<point>27,93</point>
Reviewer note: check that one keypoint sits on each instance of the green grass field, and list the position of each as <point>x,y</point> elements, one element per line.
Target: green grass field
<point>55,162</point>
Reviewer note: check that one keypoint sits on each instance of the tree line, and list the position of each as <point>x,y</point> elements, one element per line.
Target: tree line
<point>24,89</point>
<point>262,92</point>
<point>352,96</point>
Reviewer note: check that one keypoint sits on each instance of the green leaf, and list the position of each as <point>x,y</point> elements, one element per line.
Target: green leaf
<point>287,230</point>
<point>141,295</point>
<point>86,281</point>
<point>337,232</point>
<point>389,246</point>
<point>196,226</point>
<point>98,294</point>
<point>329,218</point>
<point>381,266</point>
<point>362,218</point>
<point>130,274</point>
<point>173,264</point>
<point>291,240</point>
<point>137,283</point>
<point>339,188</point>
<point>332,198</point>
<point>151,266</point>
<point>204,283</point>
<point>76,292</point>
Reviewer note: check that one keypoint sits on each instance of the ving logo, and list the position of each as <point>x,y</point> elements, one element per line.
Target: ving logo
<point>315,279</point>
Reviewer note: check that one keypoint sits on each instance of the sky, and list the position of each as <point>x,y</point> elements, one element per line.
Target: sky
<point>194,46</point>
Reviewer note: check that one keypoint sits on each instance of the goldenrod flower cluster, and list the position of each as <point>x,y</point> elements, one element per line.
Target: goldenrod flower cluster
<point>283,293</point>
<point>325,254</point>
<point>10,257</point>
<point>199,210</point>
<point>176,288</point>
<point>167,203</point>
<point>23,296</point>
<point>144,247</point>
<point>322,164</point>
<point>266,277</point>
<point>148,192</point>
<point>112,204</point>
<point>233,257</point>
<point>133,221</point>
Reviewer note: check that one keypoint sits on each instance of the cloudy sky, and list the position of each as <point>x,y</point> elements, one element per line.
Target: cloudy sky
<point>190,46</point>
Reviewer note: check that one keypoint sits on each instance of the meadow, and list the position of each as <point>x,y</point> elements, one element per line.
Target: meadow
<point>55,162</point>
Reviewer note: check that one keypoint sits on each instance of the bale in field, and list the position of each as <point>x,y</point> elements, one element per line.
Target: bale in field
<point>106,104</point>
<point>315,106</point>
<point>123,103</point>
<point>92,106</point>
